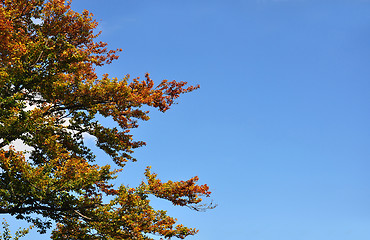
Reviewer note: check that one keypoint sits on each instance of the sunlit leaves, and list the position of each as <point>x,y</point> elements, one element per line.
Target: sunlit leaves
<point>50,98</point>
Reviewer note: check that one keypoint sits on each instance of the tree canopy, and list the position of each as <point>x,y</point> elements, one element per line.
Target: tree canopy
<point>50,96</point>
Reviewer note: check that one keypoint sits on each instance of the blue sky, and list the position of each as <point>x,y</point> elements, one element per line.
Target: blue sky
<point>280,126</point>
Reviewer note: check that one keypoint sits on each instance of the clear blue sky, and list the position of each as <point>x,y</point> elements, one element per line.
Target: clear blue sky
<point>280,126</point>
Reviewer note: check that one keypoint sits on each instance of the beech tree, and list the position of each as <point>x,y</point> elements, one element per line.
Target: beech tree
<point>50,96</point>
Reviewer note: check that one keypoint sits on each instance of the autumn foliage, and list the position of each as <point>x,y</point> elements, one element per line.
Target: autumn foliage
<point>50,97</point>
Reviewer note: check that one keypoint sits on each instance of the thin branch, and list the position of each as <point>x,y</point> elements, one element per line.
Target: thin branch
<point>14,210</point>
<point>83,216</point>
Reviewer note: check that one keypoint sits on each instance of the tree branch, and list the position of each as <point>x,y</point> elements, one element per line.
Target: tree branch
<point>15,210</point>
